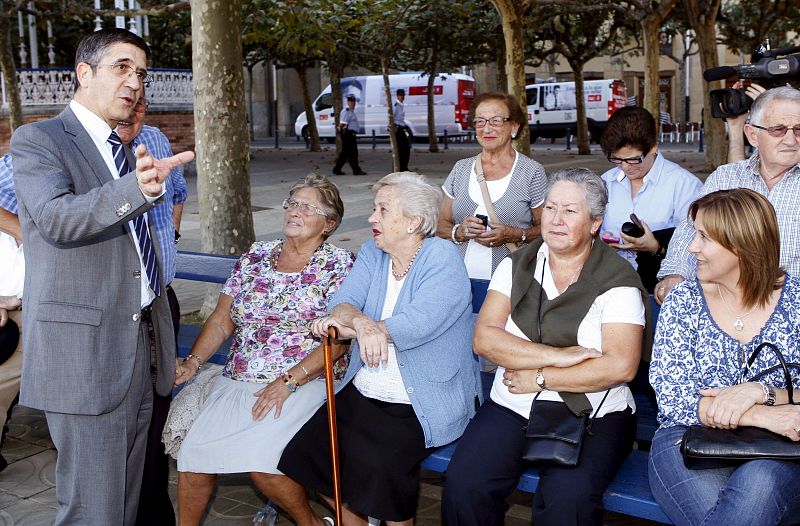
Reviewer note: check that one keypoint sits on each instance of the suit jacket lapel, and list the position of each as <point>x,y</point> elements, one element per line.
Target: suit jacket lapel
<point>85,145</point>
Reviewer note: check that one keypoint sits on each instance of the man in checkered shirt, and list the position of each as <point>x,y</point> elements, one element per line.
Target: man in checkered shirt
<point>773,171</point>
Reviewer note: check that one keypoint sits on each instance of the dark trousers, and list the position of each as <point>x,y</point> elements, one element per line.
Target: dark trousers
<point>349,152</point>
<point>403,146</point>
<point>155,506</point>
<point>488,462</point>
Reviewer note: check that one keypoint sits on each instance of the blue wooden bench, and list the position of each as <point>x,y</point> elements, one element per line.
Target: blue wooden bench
<point>629,494</point>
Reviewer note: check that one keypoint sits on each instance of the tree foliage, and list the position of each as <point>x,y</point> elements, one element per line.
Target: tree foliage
<point>746,24</point>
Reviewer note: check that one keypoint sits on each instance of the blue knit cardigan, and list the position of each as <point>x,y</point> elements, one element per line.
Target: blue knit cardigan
<point>431,328</point>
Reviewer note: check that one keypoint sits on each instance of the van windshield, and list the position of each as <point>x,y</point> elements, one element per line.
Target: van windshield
<point>531,95</point>
<point>324,102</point>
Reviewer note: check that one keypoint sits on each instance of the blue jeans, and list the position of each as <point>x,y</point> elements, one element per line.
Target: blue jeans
<point>759,492</point>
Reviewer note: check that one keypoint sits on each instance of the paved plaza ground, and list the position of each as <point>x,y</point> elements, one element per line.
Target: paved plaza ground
<point>27,485</point>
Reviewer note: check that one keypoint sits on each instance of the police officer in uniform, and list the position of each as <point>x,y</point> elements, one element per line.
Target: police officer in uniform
<point>401,131</point>
<point>348,127</point>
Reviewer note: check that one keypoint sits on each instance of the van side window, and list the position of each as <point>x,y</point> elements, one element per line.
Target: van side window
<point>531,95</point>
<point>324,102</point>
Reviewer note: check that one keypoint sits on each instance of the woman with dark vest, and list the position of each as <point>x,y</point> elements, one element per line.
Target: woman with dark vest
<point>564,321</point>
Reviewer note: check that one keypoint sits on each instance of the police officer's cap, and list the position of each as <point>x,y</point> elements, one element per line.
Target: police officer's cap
<point>351,97</point>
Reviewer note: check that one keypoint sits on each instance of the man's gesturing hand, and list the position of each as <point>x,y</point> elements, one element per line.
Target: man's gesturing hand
<point>152,172</point>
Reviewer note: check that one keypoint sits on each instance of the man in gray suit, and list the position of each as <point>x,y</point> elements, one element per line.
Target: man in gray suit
<point>94,315</point>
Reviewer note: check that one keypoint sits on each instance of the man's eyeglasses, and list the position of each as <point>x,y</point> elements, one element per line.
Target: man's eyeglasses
<point>779,131</point>
<point>306,209</point>
<point>630,160</point>
<point>496,122</point>
<point>126,71</point>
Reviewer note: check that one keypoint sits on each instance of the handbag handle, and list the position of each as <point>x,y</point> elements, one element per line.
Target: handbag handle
<point>777,352</point>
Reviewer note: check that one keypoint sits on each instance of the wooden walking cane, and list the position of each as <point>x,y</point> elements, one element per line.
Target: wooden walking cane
<point>327,349</point>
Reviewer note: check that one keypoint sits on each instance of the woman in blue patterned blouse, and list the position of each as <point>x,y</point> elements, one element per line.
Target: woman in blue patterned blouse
<point>706,330</point>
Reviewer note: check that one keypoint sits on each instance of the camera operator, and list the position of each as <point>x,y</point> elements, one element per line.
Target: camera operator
<point>773,171</point>
<point>736,146</point>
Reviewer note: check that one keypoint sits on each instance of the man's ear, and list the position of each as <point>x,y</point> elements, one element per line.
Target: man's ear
<point>84,72</point>
<point>752,135</point>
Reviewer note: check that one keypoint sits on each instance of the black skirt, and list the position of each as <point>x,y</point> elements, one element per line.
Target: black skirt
<point>381,446</point>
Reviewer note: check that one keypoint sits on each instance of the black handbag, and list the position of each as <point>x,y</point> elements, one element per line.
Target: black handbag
<point>554,436</point>
<point>707,447</point>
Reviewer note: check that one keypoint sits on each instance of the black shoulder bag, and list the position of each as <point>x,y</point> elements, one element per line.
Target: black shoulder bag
<point>554,435</point>
<point>707,447</point>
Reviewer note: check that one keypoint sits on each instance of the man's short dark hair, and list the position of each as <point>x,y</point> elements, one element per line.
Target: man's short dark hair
<point>401,91</point>
<point>93,46</point>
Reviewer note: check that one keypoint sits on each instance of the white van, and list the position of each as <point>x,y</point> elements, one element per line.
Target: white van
<point>452,96</point>
<point>552,112</point>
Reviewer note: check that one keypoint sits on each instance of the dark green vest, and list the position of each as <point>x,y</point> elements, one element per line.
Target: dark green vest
<point>561,316</point>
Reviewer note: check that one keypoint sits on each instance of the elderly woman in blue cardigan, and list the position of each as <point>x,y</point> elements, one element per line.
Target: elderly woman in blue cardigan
<point>412,380</point>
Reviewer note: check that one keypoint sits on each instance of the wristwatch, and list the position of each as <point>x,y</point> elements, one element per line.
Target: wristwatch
<point>523,238</point>
<point>540,379</point>
<point>769,394</point>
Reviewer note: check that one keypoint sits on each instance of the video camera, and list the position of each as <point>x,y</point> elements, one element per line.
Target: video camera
<point>770,67</point>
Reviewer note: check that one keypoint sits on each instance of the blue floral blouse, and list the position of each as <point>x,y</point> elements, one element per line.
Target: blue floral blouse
<point>273,310</point>
<point>691,352</point>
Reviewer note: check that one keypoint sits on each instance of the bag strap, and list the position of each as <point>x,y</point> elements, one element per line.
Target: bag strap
<point>777,352</point>
<point>589,427</point>
<point>487,200</point>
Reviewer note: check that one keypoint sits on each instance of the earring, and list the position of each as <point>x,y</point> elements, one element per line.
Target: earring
<point>410,230</point>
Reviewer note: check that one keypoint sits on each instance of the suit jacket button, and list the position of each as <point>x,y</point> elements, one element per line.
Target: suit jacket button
<point>137,273</point>
<point>136,316</point>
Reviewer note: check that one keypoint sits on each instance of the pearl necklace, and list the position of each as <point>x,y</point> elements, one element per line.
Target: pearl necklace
<point>403,274</point>
<point>738,324</point>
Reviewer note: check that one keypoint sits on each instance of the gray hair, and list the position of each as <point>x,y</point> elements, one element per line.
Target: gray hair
<point>417,198</point>
<point>780,93</point>
<point>594,188</point>
<point>331,202</point>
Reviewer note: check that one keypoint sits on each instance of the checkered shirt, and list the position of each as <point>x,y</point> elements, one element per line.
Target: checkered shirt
<point>784,196</point>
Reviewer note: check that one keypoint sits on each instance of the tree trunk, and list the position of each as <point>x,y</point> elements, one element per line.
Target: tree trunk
<point>502,79</point>
<point>251,125</point>
<point>512,17</point>
<point>651,30</point>
<point>580,106</point>
<point>390,112</point>
<point>703,20</point>
<point>336,70</point>
<point>311,119</point>
<point>433,145</point>
<point>221,145</point>
<point>9,69</point>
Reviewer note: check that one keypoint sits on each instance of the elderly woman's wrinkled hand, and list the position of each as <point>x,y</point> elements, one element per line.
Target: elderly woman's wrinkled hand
<point>184,371</point>
<point>372,342</point>
<point>272,396</point>
<point>497,235</point>
<point>471,227</point>
<point>319,328</point>
<point>519,382</point>
<point>728,404</point>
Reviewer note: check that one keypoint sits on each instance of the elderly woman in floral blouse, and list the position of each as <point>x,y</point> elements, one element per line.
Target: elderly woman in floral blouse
<point>274,291</point>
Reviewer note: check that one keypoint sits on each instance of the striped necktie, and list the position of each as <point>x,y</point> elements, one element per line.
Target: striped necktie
<point>139,223</point>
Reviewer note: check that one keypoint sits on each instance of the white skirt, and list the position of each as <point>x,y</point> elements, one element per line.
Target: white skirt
<point>225,439</point>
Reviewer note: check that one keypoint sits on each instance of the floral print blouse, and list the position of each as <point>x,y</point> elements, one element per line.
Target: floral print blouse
<point>691,352</point>
<point>272,311</point>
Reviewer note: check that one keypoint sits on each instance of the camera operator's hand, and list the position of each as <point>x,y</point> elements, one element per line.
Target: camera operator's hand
<point>736,124</point>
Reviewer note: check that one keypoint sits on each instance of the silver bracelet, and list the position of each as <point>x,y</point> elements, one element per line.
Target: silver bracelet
<point>453,234</point>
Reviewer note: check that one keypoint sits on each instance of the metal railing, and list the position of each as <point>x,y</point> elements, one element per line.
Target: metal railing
<point>48,86</point>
